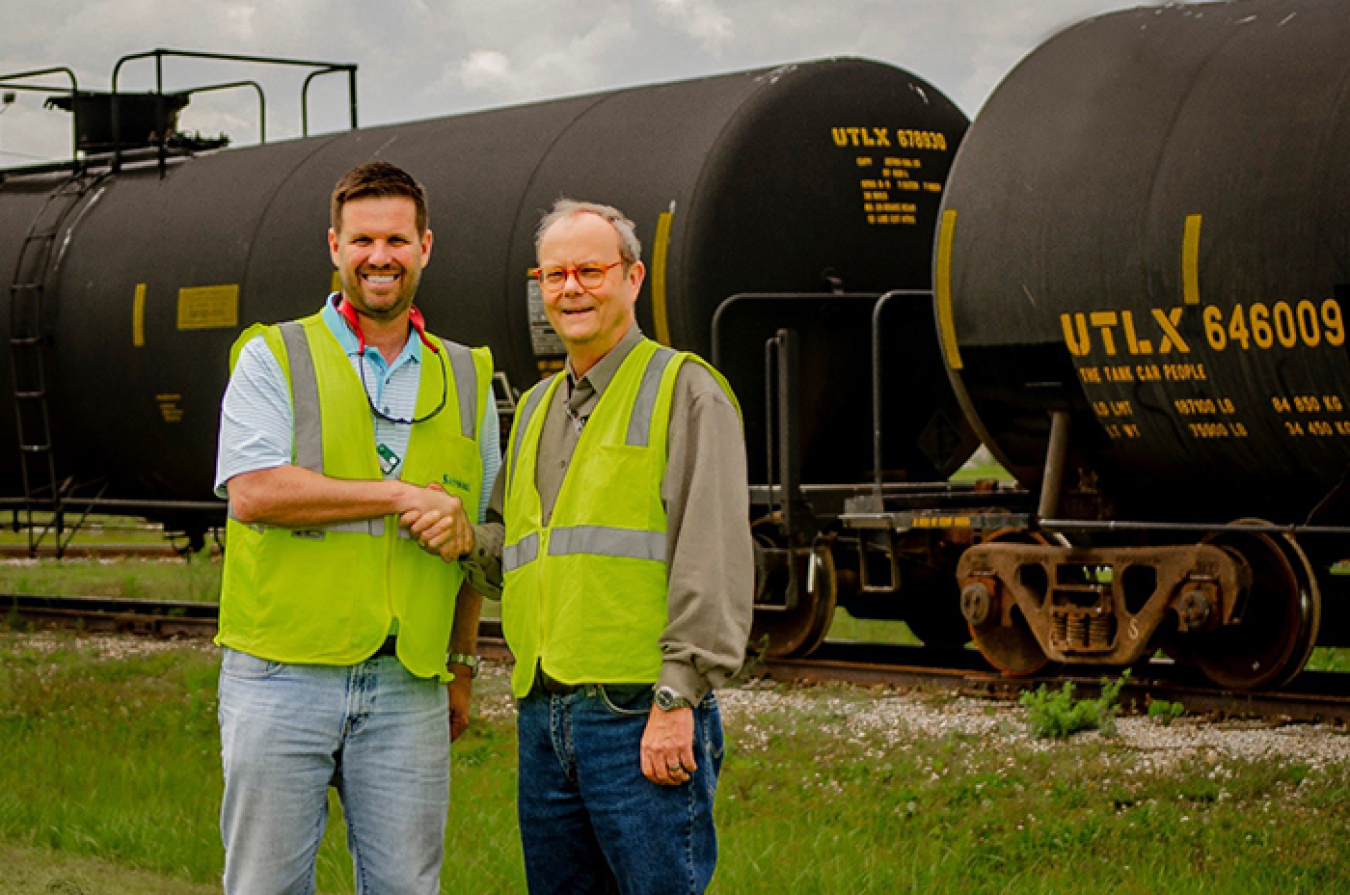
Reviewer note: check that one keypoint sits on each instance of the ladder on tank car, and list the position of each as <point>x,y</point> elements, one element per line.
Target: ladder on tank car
<point>29,344</point>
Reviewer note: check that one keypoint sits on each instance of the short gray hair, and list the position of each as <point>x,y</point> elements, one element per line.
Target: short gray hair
<point>630,249</point>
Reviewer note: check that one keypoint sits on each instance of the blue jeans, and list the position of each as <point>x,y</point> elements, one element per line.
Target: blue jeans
<point>373,731</point>
<point>589,821</point>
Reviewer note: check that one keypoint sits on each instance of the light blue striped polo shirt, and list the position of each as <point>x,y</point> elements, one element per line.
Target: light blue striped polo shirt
<point>256,420</point>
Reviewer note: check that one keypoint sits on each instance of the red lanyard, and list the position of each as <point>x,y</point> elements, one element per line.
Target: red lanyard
<point>354,322</point>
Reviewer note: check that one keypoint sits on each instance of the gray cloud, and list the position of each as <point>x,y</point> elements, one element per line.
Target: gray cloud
<point>702,20</point>
<point>425,58</point>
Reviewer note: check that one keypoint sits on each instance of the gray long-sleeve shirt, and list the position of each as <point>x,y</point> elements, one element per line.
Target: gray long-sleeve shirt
<point>710,560</point>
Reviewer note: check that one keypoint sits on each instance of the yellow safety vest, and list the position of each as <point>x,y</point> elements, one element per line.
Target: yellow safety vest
<point>585,595</point>
<point>327,595</point>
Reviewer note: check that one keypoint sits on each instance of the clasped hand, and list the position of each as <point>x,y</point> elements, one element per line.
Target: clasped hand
<point>438,523</point>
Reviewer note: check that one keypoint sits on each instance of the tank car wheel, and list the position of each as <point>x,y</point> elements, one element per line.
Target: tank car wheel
<point>1012,650</point>
<point>799,630</point>
<point>1279,624</point>
<point>933,611</point>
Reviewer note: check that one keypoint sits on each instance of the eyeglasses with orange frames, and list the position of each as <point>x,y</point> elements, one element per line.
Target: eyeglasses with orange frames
<point>589,276</point>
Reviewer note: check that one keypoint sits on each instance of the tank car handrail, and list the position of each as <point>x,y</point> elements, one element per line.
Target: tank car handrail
<point>880,301</point>
<point>876,375</point>
<point>304,94</point>
<point>778,364</point>
<point>262,102</point>
<point>773,296</point>
<point>160,52</point>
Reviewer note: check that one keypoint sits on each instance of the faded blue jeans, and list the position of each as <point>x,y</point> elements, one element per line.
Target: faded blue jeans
<point>589,821</point>
<point>377,734</point>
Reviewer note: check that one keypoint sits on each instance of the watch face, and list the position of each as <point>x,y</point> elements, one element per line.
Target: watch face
<point>667,699</point>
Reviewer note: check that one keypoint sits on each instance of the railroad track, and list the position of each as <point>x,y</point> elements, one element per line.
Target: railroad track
<point>1312,697</point>
<point>98,551</point>
<point>1315,697</point>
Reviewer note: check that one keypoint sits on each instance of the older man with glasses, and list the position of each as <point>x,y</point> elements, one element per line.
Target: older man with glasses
<point>628,580</point>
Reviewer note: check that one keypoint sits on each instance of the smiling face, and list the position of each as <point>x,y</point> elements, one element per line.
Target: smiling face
<point>379,254</point>
<point>588,321</point>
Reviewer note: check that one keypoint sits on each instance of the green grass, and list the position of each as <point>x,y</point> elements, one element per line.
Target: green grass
<point>117,760</point>
<point>811,811</point>
<point>108,759</point>
<point>196,577</point>
<point>982,466</point>
<point>866,630</point>
<point>95,530</point>
<point>1326,658</point>
<point>111,763</point>
<point>41,871</point>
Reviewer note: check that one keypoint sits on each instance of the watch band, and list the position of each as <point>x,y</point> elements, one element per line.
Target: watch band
<point>667,700</point>
<point>470,662</point>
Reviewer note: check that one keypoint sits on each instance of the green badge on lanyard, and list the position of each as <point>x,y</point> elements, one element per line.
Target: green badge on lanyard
<point>389,460</point>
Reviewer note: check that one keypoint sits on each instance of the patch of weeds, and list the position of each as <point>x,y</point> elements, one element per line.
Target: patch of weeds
<point>1055,714</point>
<point>1164,712</point>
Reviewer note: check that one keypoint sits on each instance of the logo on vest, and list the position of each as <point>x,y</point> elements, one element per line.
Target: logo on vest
<point>448,482</point>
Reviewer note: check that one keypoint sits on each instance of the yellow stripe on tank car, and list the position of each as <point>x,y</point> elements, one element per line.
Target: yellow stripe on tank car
<point>138,316</point>
<point>1190,261</point>
<point>943,285</point>
<point>660,248</point>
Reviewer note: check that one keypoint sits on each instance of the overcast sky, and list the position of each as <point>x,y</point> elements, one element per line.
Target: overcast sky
<point>427,58</point>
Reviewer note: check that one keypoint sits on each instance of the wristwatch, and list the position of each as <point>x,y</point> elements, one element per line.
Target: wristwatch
<point>469,662</point>
<point>667,700</point>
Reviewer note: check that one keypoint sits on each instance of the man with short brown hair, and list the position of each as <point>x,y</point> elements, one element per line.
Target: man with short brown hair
<point>335,622</point>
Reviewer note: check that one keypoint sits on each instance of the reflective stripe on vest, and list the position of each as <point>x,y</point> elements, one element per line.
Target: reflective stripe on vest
<point>595,539</point>
<point>532,399</point>
<point>305,400</point>
<point>466,383</point>
<point>517,555</point>
<point>605,541</point>
<point>640,423</point>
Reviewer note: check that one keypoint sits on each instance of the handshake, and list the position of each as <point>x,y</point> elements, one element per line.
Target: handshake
<point>438,522</point>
